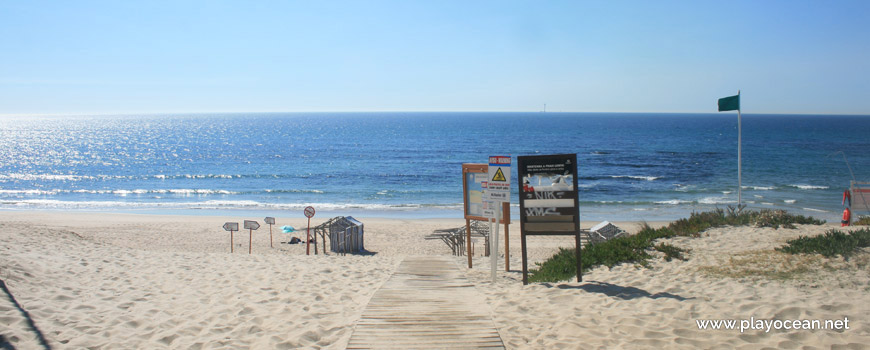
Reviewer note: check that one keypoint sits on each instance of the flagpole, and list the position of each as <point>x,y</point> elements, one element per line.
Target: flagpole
<point>739,157</point>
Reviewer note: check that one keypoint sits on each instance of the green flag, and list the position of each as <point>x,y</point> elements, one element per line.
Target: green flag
<point>730,103</point>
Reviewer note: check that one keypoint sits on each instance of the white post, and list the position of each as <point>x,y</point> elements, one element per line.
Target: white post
<point>739,157</point>
<point>493,253</point>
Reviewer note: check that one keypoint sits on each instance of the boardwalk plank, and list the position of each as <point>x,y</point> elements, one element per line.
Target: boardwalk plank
<point>426,304</point>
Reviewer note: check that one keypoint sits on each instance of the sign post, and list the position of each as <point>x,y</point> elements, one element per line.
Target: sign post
<point>498,189</point>
<point>309,212</point>
<point>251,225</point>
<point>549,203</point>
<point>474,180</point>
<point>271,221</point>
<point>231,226</point>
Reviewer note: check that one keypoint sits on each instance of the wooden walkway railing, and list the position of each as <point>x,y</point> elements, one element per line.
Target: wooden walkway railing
<point>426,304</point>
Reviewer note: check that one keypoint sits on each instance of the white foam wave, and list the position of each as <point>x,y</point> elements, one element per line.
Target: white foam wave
<point>673,202</point>
<point>810,187</point>
<point>759,188</point>
<point>44,177</point>
<point>645,178</point>
<point>216,204</point>
<point>716,200</point>
<point>789,201</point>
<point>29,192</point>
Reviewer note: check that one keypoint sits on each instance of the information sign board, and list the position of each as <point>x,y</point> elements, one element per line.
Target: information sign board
<point>548,200</point>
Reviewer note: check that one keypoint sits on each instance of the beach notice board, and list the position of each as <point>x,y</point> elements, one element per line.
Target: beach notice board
<point>474,186</point>
<point>475,180</point>
<point>549,202</point>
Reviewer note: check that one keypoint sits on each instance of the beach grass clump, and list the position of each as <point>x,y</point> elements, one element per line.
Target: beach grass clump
<point>862,221</point>
<point>780,218</point>
<point>636,248</point>
<point>829,244</point>
<point>766,265</point>
<point>671,252</point>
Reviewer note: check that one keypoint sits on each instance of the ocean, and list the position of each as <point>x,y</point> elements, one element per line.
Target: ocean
<point>631,166</point>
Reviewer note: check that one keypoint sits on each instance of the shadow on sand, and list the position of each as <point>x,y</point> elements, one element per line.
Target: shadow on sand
<point>26,315</point>
<point>612,290</point>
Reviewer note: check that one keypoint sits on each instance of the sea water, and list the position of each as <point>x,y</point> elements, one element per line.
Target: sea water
<point>631,166</point>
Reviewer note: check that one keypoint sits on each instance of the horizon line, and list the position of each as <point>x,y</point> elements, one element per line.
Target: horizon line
<point>84,114</point>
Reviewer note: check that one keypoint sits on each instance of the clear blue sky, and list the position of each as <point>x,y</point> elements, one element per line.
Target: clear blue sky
<point>579,56</point>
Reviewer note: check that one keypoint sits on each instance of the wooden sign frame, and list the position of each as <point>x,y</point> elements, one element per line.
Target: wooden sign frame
<point>482,168</point>
<point>551,209</point>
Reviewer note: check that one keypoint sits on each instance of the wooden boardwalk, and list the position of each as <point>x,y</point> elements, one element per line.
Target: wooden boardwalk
<point>426,304</point>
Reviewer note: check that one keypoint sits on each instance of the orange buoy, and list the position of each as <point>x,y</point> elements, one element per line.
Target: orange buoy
<point>847,218</point>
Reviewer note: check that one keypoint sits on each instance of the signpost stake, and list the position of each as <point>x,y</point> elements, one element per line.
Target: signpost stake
<point>231,226</point>
<point>309,212</point>
<point>498,191</point>
<point>308,238</point>
<point>271,221</point>
<point>493,259</point>
<point>468,240</point>
<point>507,249</point>
<point>251,226</point>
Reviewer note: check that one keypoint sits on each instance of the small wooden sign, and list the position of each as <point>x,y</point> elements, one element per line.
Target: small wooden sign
<point>231,226</point>
<point>251,225</point>
<point>269,220</point>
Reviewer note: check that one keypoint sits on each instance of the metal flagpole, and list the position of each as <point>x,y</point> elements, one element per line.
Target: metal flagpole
<point>739,156</point>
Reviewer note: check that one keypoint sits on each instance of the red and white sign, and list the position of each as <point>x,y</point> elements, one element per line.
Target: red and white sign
<point>499,179</point>
<point>309,212</point>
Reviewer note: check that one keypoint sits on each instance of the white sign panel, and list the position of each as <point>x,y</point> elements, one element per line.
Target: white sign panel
<point>488,209</point>
<point>499,179</point>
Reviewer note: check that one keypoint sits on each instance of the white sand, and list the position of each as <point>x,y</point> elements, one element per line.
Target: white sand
<point>120,281</point>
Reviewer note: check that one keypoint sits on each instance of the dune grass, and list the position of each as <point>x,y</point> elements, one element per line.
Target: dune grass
<point>636,248</point>
<point>862,221</point>
<point>829,244</point>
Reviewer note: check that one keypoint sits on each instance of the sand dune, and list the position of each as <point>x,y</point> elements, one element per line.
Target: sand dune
<point>120,281</point>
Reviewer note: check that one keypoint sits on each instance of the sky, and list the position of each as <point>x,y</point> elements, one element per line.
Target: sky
<point>109,57</point>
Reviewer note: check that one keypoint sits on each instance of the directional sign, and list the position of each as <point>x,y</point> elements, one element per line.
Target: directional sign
<point>309,212</point>
<point>499,179</point>
<point>251,225</point>
<point>231,226</point>
<point>269,220</point>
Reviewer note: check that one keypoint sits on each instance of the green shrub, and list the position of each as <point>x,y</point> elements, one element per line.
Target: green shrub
<point>671,252</point>
<point>862,221</point>
<point>829,244</point>
<point>634,249</point>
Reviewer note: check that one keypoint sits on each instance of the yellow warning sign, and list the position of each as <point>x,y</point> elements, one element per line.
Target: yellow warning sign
<point>499,176</point>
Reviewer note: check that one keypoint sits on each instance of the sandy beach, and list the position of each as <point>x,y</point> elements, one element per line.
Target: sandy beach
<point>125,281</point>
